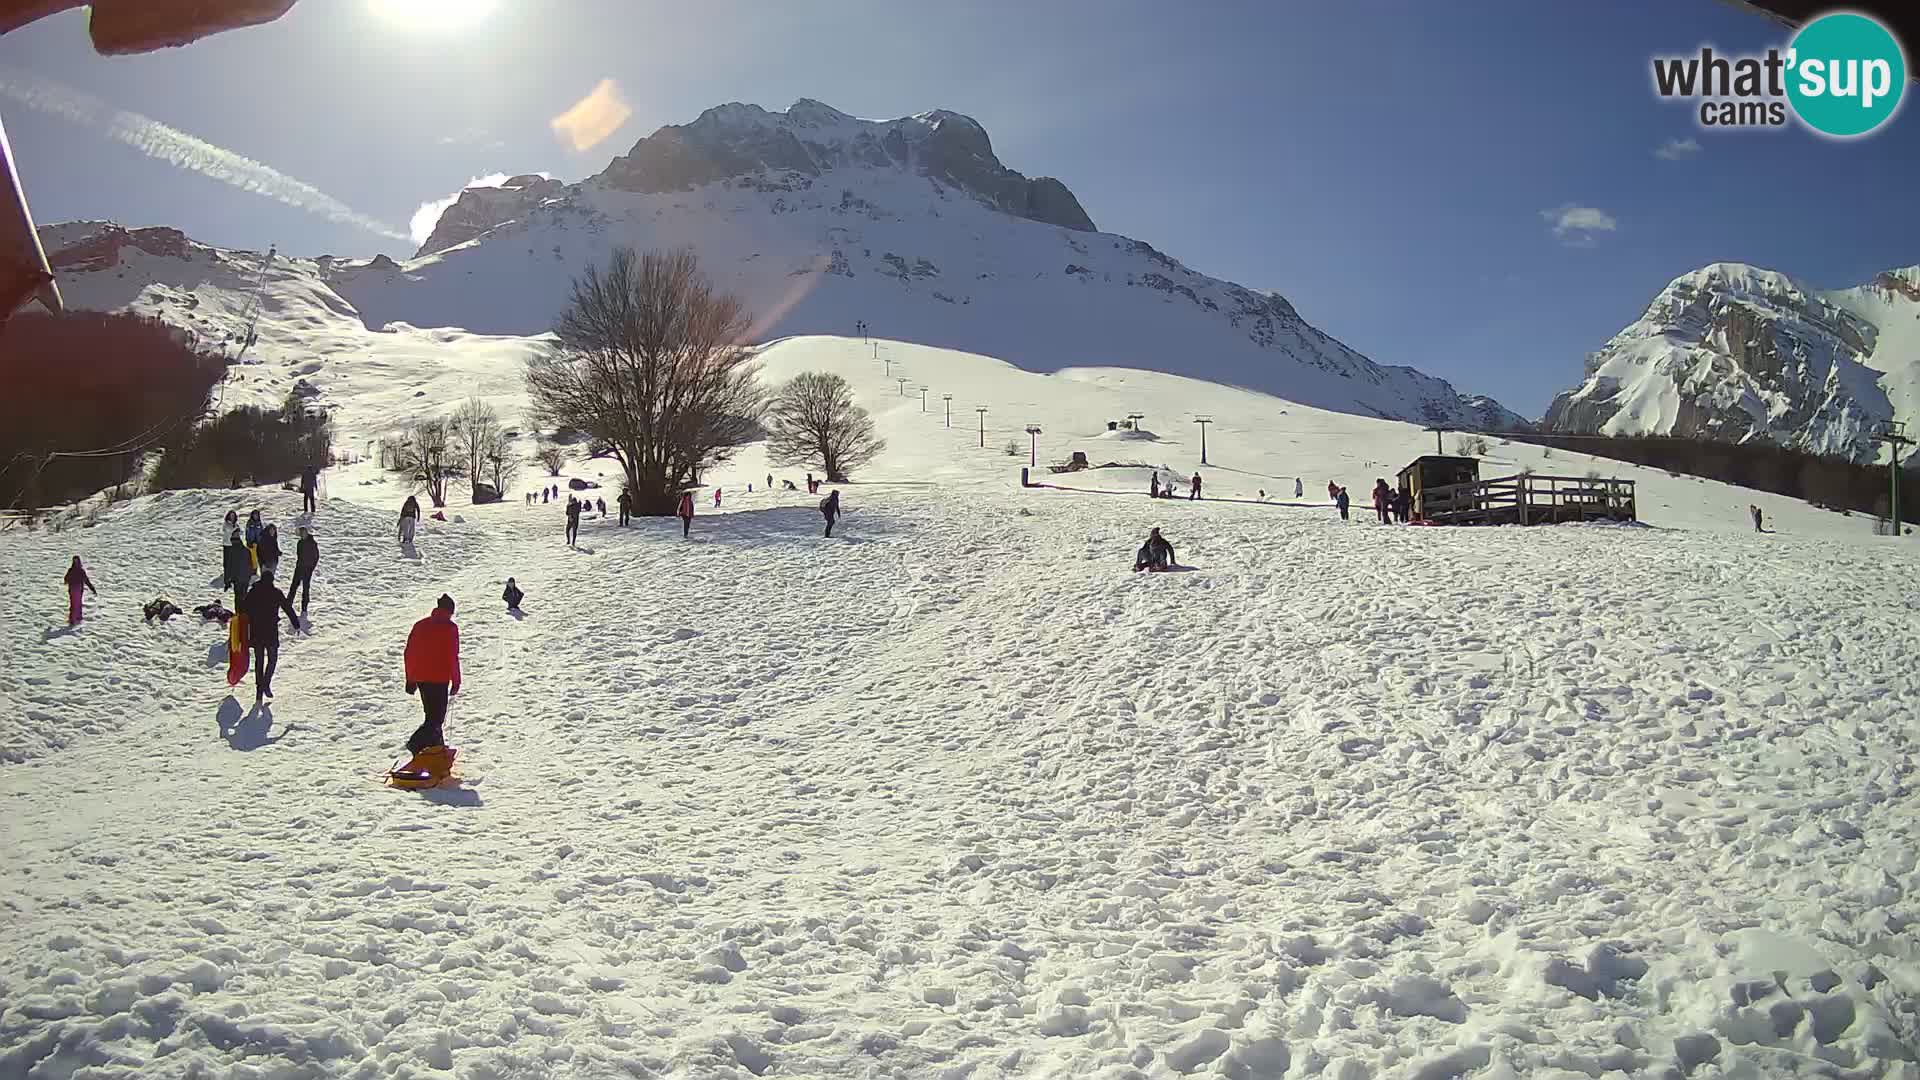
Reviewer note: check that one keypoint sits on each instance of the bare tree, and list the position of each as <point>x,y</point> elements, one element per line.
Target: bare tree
<point>502,465</point>
<point>647,359</point>
<point>552,456</point>
<point>426,455</point>
<point>813,421</point>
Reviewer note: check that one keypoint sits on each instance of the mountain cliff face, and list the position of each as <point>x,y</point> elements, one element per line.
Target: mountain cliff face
<point>811,139</point>
<point>479,209</point>
<point>1735,352</point>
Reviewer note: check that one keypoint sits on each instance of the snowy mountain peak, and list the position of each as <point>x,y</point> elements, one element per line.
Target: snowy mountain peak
<point>482,208</point>
<point>1737,352</point>
<point>787,150</point>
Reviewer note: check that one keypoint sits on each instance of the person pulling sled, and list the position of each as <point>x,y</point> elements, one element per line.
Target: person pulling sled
<point>432,664</point>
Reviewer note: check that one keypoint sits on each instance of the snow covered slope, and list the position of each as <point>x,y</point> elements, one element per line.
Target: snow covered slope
<point>820,220</point>
<point>1734,352</point>
<point>954,794</point>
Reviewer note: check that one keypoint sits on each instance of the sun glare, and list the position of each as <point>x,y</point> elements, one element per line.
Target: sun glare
<point>444,13</point>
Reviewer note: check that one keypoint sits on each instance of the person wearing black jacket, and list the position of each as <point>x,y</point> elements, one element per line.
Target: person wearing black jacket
<point>1155,554</point>
<point>237,567</point>
<point>573,520</point>
<point>309,485</point>
<point>305,558</point>
<point>830,509</point>
<point>264,604</point>
<point>267,551</point>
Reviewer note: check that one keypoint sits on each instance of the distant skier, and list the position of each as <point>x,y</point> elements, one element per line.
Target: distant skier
<point>1755,511</point>
<point>409,520</point>
<point>1340,500</point>
<point>1195,493</point>
<point>1155,554</point>
<point>309,486</point>
<point>573,520</point>
<point>432,664</point>
<point>830,509</point>
<point>77,580</point>
<point>237,569</point>
<point>1299,489</point>
<point>306,557</point>
<point>513,596</point>
<point>1153,486</point>
<point>685,513</point>
<point>267,551</point>
<point>264,604</point>
<point>254,528</point>
<point>1382,498</point>
<point>626,506</point>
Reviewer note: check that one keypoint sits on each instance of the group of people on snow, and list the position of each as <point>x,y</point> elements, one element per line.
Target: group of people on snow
<point>1155,491</point>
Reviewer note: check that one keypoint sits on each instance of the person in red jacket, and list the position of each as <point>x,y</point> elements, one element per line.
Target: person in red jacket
<point>77,580</point>
<point>433,668</point>
<point>686,513</point>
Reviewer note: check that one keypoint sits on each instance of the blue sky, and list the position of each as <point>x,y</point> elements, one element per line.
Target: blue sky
<point>1387,166</point>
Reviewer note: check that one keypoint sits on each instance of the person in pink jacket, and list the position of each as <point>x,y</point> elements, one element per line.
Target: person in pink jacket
<point>77,580</point>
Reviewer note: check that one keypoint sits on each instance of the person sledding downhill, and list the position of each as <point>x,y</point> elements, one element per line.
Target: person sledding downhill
<point>1154,555</point>
<point>433,671</point>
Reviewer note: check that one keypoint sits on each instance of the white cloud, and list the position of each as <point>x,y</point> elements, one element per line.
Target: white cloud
<point>425,218</point>
<point>1576,225</point>
<point>177,148</point>
<point>1675,149</point>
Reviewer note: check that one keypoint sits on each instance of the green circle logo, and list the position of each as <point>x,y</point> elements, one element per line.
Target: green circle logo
<point>1846,74</point>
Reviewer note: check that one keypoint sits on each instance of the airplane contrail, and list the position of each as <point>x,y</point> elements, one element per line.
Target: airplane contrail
<point>177,148</point>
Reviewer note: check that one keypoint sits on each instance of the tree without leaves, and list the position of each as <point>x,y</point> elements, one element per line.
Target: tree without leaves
<point>813,421</point>
<point>425,454</point>
<point>551,456</point>
<point>482,447</point>
<point>646,359</point>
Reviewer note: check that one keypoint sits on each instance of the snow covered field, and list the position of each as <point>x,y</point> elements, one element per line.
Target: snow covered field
<point>953,794</point>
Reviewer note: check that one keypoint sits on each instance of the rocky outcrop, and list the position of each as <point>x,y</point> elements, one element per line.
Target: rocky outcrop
<point>481,209</point>
<point>745,141</point>
<point>102,248</point>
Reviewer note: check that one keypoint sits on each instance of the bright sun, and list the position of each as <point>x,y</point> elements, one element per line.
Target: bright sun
<point>444,13</point>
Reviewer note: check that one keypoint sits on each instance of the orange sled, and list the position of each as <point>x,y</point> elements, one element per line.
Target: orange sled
<point>429,768</point>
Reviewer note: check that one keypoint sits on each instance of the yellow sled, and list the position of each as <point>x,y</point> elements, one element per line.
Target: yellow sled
<point>429,768</point>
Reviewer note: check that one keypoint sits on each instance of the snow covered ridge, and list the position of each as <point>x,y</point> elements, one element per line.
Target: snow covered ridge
<point>1735,352</point>
<point>819,221</point>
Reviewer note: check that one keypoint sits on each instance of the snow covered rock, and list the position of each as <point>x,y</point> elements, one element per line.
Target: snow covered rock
<point>1734,352</point>
<point>481,208</point>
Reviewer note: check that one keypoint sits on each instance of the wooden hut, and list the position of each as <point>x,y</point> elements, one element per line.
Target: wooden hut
<point>1436,471</point>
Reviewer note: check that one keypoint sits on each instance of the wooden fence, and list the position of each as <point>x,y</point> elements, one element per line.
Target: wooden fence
<point>1527,500</point>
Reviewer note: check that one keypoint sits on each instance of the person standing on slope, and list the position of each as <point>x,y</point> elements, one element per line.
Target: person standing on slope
<point>268,551</point>
<point>1340,500</point>
<point>716,498</point>
<point>432,664</point>
<point>306,557</point>
<point>254,528</point>
<point>1195,493</point>
<point>830,509</point>
<point>573,520</point>
<point>309,486</point>
<point>1382,498</point>
<point>264,604</point>
<point>1299,489</point>
<point>237,568</point>
<point>626,506</point>
<point>1755,511</point>
<point>409,520</point>
<point>228,528</point>
<point>77,580</point>
<point>1153,485</point>
<point>685,513</point>
<point>601,506</point>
